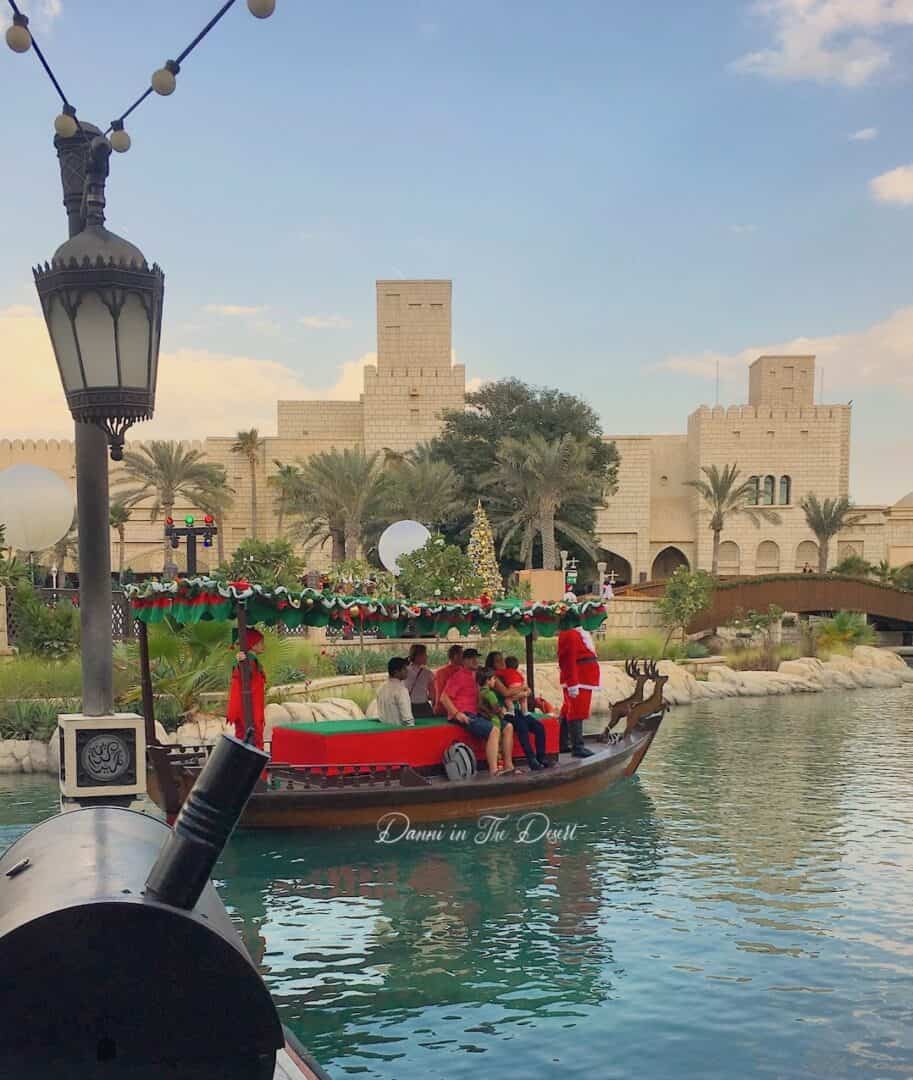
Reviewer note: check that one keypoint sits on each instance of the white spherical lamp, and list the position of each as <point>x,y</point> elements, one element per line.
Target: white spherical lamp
<point>120,140</point>
<point>65,124</point>
<point>18,37</point>
<point>163,80</point>
<point>261,9</point>
<point>401,538</point>
<point>36,507</point>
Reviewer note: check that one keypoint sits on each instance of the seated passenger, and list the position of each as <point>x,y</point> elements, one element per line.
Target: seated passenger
<point>493,708</point>
<point>454,663</point>
<point>460,702</point>
<point>420,681</point>
<point>524,721</point>
<point>393,704</point>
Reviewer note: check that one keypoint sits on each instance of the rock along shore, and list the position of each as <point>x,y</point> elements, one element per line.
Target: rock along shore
<point>866,668</point>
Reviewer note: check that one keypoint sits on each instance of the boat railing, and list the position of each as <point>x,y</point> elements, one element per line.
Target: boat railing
<point>299,777</point>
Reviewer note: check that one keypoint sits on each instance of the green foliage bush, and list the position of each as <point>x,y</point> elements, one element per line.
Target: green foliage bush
<point>348,661</point>
<point>33,719</point>
<point>844,631</point>
<point>438,570</point>
<point>44,631</point>
<point>765,657</point>
<point>268,562</point>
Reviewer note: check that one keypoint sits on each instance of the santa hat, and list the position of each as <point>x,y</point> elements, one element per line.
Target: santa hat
<point>254,637</point>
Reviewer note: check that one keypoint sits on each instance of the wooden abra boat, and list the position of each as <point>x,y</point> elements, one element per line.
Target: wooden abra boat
<point>350,773</point>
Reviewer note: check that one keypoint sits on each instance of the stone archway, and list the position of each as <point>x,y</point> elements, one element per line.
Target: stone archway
<point>624,575</point>
<point>667,562</point>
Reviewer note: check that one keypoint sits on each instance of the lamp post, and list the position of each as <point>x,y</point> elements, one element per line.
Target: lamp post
<point>103,307</point>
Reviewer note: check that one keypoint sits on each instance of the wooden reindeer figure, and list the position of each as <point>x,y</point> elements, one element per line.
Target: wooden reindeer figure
<point>621,708</point>
<point>651,705</point>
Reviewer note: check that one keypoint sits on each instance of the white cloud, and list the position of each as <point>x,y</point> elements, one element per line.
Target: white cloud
<point>200,392</point>
<point>895,186</point>
<point>827,41</point>
<point>876,356</point>
<point>863,135</point>
<point>324,322</point>
<point>233,310</point>
<point>741,230</point>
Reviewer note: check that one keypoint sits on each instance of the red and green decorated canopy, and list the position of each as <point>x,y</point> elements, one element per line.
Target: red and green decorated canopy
<point>191,600</point>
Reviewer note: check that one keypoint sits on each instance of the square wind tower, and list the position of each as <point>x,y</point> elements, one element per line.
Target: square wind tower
<point>782,380</point>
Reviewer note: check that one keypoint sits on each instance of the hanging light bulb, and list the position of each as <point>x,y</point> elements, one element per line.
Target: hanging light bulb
<point>163,80</point>
<point>18,37</point>
<point>261,9</point>
<point>120,140</point>
<point>65,124</point>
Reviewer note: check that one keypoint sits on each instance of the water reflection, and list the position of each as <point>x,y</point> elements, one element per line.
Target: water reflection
<point>743,908</point>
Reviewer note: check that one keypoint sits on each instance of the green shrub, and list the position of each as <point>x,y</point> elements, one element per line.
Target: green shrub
<point>347,661</point>
<point>24,719</point>
<point>762,658</point>
<point>845,630</point>
<point>43,630</point>
<point>695,650</point>
<point>35,677</point>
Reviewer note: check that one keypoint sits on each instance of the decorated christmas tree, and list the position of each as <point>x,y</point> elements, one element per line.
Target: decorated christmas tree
<point>481,552</point>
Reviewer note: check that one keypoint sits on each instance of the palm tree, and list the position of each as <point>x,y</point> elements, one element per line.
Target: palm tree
<point>341,493</point>
<point>164,470</point>
<point>216,498</point>
<point>826,518</point>
<point>533,478</point>
<point>248,444</point>
<point>118,516</point>
<point>423,489</point>
<point>286,482</point>
<point>725,496</point>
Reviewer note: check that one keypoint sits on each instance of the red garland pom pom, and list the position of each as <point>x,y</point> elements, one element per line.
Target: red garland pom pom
<point>239,585</point>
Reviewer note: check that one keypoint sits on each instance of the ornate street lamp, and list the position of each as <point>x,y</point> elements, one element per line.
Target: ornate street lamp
<point>103,307</point>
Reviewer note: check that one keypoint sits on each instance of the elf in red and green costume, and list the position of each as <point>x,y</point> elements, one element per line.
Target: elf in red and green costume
<point>257,682</point>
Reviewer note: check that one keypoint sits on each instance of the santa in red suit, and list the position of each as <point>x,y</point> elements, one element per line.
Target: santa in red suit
<point>578,667</point>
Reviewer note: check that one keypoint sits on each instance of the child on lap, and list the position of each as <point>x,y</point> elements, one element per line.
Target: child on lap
<point>491,707</point>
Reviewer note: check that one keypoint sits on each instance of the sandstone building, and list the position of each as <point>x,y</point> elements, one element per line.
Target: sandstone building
<point>655,522</point>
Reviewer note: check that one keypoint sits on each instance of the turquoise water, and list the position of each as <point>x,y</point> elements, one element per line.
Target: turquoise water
<point>743,908</point>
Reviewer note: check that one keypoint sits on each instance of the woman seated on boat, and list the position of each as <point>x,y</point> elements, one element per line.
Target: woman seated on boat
<point>420,681</point>
<point>492,707</point>
<point>460,702</point>
<point>454,663</point>
<point>393,704</point>
<point>510,685</point>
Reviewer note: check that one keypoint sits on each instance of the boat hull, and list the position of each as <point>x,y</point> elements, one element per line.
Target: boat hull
<point>294,806</point>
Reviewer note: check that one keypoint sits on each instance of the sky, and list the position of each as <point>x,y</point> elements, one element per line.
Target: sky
<point>625,195</point>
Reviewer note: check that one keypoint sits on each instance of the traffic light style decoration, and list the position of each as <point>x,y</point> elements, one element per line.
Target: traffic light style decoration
<point>191,530</point>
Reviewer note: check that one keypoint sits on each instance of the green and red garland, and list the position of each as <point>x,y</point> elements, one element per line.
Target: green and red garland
<point>191,600</point>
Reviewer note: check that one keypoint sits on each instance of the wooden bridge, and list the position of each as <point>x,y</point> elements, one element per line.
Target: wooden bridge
<point>806,594</point>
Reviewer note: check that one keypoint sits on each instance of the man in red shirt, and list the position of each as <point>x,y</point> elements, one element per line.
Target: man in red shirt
<point>454,663</point>
<point>460,701</point>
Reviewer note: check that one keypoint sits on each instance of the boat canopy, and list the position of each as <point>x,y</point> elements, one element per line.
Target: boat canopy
<point>192,600</point>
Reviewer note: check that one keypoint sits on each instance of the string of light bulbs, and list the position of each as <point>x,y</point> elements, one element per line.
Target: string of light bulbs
<point>20,39</point>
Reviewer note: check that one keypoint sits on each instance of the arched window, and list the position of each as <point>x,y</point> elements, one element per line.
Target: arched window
<point>768,558</point>
<point>767,491</point>
<point>730,558</point>
<point>786,486</point>
<point>755,482</point>
<point>807,556</point>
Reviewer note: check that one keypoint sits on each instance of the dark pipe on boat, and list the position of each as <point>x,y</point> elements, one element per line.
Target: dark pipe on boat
<point>207,819</point>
